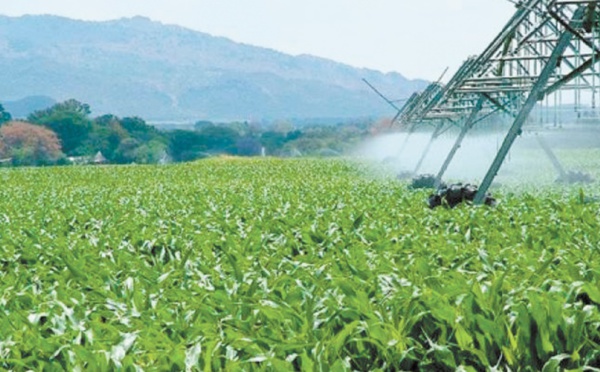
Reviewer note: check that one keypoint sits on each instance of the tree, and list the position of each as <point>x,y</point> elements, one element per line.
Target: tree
<point>106,120</point>
<point>125,153</point>
<point>293,135</point>
<point>248,146</point>
<point>273,141</point>
<point>3,150</point>
<point>69,120</point>
<point>185,145</point>
<point>105,136</point>
<point>29,144</point>
<point>220,138</point>
<point>282,126</point>
<point>150,152</point>
<point>4,115</point>
<point>199,125</point>
<point>138,129</point>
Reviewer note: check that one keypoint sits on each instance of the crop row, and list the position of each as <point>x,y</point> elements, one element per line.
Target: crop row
<point>288,264</point>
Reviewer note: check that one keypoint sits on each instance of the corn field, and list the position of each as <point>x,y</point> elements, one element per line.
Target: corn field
<point>232,264</point>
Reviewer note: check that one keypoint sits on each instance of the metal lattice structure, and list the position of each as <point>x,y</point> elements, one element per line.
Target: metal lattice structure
<point>547,46</point>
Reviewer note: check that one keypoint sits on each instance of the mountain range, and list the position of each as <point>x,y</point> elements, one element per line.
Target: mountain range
<point>139,67</point>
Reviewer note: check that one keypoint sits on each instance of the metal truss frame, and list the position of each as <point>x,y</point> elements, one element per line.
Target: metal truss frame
<point>547,46</point>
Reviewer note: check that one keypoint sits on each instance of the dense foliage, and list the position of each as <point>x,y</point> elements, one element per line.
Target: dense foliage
<point>4,115</point>
<point>288,264</point>
<point>120,140</point>
<point>28,144</point>
<point>69,120</point>
<point>132,140</point>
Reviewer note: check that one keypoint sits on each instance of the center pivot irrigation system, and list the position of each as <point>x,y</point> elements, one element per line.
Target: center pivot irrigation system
<point>546,48</point>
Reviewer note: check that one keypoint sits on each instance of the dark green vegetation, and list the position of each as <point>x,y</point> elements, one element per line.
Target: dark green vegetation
<point>132,140</point>
<point>4,115</point>
<point>288,264</point>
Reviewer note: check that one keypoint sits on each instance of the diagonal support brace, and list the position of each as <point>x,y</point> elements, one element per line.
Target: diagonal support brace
<point>436,133</point>
<point>551,156</point>
<point>463,133</point>
<point>534,96</point>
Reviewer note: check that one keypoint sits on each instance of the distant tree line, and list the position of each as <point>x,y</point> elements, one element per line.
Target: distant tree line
<point>66,133</point>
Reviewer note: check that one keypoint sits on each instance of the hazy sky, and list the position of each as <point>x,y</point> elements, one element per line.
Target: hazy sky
<point>418,38</point>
